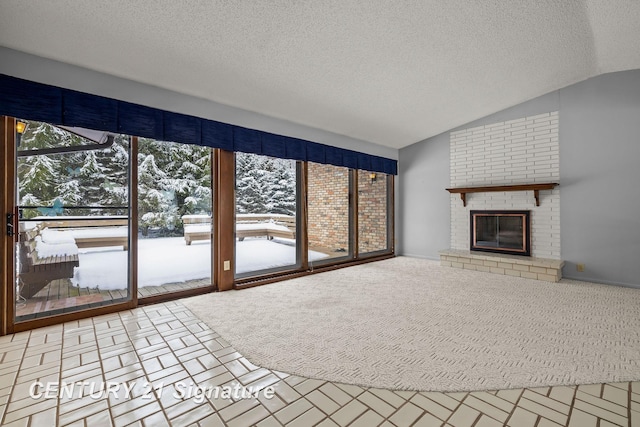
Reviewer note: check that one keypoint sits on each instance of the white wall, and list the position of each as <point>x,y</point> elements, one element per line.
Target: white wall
<point>518,151</point>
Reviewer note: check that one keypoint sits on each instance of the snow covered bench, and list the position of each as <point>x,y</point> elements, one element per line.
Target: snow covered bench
<point>269,225</point>
<point>198,227</point>
<point>44,257</point>
<point>92,232</point>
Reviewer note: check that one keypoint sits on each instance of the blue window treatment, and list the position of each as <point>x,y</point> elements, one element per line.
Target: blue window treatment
<point>36,101</point>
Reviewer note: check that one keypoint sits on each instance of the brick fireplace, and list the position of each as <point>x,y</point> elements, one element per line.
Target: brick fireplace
<point>509,153</point>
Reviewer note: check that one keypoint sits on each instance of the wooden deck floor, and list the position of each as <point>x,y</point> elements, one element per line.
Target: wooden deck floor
<point>61,296</point>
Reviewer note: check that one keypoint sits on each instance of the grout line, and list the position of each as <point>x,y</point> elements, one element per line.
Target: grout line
<point>146,374</point>
<point>175,325</point>
<point>93,323</point>
<point>515,406</point>
<point>406,402</point>
<point>490,404</point>
<point>300,415</point>
<point>10,399</point>
<point>119,318</point>
<point>62,347</point>
<point>572,404</point>
<point>479,417</point>
<point>629,391</point>
<point>538,419</point>
<point>542,404</point>
<point>368,389</point>
<point>456,408</point>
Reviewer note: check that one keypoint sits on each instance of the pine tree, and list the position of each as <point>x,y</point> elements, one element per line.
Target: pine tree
<point>192,179</point>
<point>115,161</point>
<point>37,174</point>
<point>155,206</point>
<point>251,194</point>
<point>174,179</point>
<point>265,185</point>
<point>186,182</point>
<point>283,194</point>
<point>37,178</point>
<point>71,193</point>
<point>74,178</point>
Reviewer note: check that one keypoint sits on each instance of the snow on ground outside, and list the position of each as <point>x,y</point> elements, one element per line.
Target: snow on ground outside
<point>169,260</point>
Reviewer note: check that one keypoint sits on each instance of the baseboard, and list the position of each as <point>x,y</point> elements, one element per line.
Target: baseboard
<point>602,281</point>
<point>437,258</point>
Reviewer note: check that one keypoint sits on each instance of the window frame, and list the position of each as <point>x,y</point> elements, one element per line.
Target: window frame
<point>223,243</point>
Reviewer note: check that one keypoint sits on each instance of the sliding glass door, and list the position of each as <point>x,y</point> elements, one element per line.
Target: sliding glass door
<point>89,228</point>
<point>266,221</point>
<point>72,236</point>
<point>330,213</point>
<point>374,213</point>
<point>174,217</point>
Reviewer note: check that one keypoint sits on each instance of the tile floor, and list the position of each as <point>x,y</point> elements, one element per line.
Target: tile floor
<point>162,352</point>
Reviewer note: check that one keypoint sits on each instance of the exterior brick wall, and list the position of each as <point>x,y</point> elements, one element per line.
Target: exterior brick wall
<point>521,151</point>
<point>328,195</point>
<point>372,212</point>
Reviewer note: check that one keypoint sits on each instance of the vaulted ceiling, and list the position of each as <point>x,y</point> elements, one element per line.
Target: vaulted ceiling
<point>391,72</point>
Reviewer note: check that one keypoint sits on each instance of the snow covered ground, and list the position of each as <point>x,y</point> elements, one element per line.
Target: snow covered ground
<point>170,260</point>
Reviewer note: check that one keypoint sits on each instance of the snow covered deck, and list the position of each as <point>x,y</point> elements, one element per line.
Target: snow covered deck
<point>165,264</point>
<point>168,260</point>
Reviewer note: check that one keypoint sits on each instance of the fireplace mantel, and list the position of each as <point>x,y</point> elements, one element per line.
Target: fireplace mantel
<point>521,187</point>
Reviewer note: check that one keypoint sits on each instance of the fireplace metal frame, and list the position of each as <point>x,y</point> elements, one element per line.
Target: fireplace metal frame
<point>526,215</point>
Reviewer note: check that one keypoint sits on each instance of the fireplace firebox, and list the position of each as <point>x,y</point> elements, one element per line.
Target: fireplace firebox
<point>504,232</point>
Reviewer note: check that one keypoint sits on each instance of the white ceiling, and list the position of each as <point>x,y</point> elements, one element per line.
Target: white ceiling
<point>390,72</point>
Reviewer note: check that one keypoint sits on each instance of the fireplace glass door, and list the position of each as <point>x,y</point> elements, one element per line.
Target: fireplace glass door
<point>500,231</point>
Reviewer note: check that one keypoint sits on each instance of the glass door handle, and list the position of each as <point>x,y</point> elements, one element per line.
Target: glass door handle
<point>10,225</point>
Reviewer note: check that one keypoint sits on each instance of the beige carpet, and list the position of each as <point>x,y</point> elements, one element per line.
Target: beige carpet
<point>411,324</point>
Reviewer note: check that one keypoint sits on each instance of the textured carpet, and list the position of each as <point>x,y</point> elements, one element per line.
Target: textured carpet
<point>411,324</point>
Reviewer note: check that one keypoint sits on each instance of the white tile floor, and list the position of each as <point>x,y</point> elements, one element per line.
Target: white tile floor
<point>163,351</point>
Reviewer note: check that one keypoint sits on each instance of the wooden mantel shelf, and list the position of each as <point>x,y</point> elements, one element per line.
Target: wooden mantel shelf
<point>521,187</point>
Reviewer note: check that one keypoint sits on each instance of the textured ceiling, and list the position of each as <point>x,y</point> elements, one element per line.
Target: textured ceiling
<point>389,72</point>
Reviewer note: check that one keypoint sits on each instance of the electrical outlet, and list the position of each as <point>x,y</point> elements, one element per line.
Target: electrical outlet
<point>580,267</point>
<point>227,265</point>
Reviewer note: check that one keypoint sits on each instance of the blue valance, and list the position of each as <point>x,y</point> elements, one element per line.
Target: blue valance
<point>36,101</point>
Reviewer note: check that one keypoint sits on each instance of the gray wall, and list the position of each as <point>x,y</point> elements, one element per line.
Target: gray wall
<point>599,180</point>
<point>38,69</point>
<point>422,214</point>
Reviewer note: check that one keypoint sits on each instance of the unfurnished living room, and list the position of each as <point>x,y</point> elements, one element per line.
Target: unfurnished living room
<point>331,213</point>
